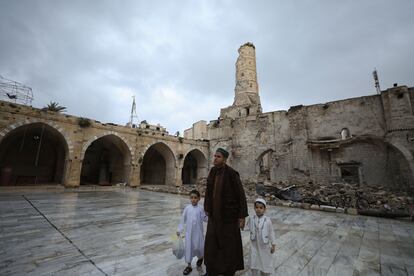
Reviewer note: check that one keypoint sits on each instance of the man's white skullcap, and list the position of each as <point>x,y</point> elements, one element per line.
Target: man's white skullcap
<point>261,200</point>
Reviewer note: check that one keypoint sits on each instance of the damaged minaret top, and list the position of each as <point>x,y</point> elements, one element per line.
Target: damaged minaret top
<point>246,93</point>
<point>247,89</point>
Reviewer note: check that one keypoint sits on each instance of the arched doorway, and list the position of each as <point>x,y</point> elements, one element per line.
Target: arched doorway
<point>158,165</point>
<point>106,162</point>
<point>264,165</point>
<point>33,154</point>
<point>398,166</point>
<point>195,167</point>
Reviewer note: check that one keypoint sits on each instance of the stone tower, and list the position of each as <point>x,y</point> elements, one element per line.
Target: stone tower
<point>246,90</point>
<point>246,93</point>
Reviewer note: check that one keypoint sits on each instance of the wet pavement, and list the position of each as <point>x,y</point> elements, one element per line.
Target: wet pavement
<point>125,231</point>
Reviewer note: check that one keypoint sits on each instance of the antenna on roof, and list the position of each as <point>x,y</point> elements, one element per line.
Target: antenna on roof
<point>134,116</point>
<point>377,86</point>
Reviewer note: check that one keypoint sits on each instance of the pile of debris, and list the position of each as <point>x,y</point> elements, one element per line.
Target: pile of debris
<point>200,186</point>
<point>377,197</point>
<point>274,195</point>
<point>381,201</point>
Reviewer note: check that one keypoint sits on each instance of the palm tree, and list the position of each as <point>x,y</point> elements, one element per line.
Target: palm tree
<point>54,107</point>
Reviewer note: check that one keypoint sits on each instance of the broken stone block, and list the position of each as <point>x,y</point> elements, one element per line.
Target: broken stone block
<point>286,204</point>
<point>340,210</point>
<point>306,206</point>
<point>315,207</point>
<point>352,211</point>
<point>328,208</point>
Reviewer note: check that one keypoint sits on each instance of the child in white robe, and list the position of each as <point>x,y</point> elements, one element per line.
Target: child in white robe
<point>262,239</point>
<point>193,218</point>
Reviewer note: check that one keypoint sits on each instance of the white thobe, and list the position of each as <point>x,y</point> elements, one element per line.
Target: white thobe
<point>260,256</point>
<point>193,218</point>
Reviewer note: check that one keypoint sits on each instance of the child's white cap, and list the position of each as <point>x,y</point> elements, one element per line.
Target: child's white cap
<point>260,200</point>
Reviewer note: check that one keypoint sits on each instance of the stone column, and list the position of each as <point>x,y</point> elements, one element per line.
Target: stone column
<point>73,172</point>
<point>135,176</point>
<point>178,180</point>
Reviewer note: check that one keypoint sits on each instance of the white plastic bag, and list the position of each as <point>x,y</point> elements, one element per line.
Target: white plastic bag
<point>178,247</point>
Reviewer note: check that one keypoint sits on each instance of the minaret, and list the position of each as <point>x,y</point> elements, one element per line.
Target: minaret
<point>247,89</point>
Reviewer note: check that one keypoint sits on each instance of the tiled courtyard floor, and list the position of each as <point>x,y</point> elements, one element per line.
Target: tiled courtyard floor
<point>123,231</point>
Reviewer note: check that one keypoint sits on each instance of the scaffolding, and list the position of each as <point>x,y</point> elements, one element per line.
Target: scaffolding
<point>13,91</point>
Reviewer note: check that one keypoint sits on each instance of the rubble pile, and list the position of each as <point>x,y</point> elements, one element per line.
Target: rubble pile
<point>377,197</point>
<point>308,195</point>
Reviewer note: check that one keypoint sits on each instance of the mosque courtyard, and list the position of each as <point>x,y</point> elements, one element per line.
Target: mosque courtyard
<point>123,231</point>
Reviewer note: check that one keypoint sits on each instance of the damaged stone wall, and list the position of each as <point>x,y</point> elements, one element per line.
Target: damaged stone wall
<point>369,140</point>
<point>289,136</point>
<point>286,137</point>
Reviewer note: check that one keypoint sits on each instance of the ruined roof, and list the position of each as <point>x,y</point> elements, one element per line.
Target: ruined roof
<point>248,44</point>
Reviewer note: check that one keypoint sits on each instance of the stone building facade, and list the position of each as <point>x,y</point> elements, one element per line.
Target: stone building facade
<point>43,147</point>
<point>366,140</point>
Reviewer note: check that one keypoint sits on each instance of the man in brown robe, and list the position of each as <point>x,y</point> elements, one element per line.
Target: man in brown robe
<point>226,207</point>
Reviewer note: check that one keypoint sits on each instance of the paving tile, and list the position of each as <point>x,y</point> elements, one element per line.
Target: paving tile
<point>123,231</point>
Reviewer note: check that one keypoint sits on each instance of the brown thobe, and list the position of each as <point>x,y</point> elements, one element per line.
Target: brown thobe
<point>225,202</point>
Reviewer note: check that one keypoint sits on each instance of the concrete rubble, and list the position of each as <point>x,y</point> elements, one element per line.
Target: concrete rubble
<point>379,199</point>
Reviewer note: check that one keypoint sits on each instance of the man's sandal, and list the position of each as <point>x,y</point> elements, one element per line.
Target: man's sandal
<point>199,262</point>
<point>187,270</point>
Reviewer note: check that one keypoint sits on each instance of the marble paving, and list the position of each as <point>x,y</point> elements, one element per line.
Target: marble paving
<point>124,231</point>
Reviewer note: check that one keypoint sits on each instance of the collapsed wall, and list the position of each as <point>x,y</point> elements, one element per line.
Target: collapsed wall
<point>366,141</point>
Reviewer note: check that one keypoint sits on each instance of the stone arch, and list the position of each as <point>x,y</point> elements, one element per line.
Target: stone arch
<point>96,137</point>
<point>15,125</point>
<point>195,167</point>
<point>404,158</point>
<point>34,152</point>
<point>264,164</point>
<point>404,151</point>
<point>106,160</point>
<point>158,165</point>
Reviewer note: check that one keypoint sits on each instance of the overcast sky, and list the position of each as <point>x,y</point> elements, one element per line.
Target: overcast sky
<point>178,57</point>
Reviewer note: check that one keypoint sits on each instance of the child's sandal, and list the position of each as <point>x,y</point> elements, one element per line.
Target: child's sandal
<point>199,262</point>
<point>187,270</point>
